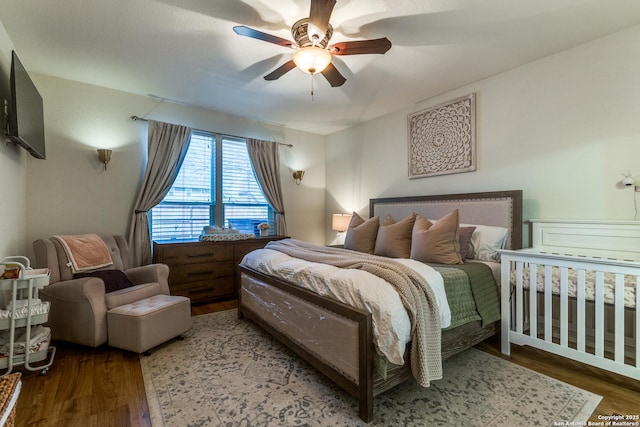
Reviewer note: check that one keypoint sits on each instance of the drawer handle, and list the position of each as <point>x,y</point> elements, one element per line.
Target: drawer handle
<point>200,273</point>
<point>198,255</point>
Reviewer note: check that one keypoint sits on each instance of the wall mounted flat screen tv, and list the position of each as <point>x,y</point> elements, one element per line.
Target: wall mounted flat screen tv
<point>26,118</point>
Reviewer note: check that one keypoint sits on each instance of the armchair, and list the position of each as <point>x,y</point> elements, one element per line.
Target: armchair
<point>79,306</point>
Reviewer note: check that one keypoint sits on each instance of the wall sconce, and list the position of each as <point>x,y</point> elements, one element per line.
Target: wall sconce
<point>104,156</point>
<point>340,222</point>
<point>297,176</point>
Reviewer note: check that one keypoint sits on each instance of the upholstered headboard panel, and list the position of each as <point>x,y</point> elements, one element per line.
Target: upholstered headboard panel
<point>497,208</point>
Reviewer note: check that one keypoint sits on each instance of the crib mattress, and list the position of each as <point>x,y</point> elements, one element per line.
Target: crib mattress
<point>590,280</point>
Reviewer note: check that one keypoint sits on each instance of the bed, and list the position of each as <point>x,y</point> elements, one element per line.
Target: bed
<point>575,293</point>
<point>338,338</point>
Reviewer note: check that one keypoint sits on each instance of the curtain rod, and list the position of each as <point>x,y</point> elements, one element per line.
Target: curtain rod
<point>136,119</point>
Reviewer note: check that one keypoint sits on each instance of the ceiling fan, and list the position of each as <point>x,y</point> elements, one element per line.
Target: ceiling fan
<point>312,53</point>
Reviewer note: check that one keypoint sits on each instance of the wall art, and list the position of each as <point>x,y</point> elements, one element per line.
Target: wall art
<point>442,139</point>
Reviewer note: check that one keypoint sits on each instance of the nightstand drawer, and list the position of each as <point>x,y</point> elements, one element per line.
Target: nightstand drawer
<point>183,273</point>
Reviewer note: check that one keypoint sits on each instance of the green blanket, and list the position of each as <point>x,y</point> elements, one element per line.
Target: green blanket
<point>472,293</point>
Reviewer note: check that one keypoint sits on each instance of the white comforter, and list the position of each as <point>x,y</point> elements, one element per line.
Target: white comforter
<point>391,325</point>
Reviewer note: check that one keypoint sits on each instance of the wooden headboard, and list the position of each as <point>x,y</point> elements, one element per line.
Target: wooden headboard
<point>496,208</point>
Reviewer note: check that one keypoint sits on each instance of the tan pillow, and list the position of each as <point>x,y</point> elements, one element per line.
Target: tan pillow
<point>394,238</point>
<point>437,243</point>
<point>388,220</point>
<point>361,234</point>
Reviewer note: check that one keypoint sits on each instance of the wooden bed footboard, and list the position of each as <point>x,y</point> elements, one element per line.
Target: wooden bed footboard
<point>338,343</point>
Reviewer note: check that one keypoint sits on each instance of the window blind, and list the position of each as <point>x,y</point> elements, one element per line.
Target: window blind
<point>191,203</point>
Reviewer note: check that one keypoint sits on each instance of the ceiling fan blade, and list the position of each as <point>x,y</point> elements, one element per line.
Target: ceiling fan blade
<point>319,18</point>
<point>333,76</point>
<point>281,70</point>
<point>255,34</point>
<point>361,47</point>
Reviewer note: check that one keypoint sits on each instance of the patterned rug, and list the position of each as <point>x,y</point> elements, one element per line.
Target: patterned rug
<point>228,372</point>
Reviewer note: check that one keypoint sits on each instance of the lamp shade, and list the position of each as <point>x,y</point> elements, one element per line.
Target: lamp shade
<point>311,59</point>
<point>340,222</point>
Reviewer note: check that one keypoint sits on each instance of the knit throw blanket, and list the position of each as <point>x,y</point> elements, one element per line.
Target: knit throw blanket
<point>415,293</point>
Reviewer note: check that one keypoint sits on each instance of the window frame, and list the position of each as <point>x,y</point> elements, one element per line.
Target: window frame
<point>216,205</point>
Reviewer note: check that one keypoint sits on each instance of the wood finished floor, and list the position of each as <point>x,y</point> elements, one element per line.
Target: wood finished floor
<point>103,387</point>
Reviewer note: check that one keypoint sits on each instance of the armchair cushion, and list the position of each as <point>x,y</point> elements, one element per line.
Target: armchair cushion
<point>132,294</point>
<point>114,280</point>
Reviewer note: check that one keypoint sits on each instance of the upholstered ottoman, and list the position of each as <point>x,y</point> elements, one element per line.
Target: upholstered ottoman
<point>149,322</point>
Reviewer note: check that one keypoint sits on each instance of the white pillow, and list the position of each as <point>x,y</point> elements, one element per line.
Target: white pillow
<point>485,242</point>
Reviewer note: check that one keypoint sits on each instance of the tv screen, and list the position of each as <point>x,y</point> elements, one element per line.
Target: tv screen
<point>26,119</point>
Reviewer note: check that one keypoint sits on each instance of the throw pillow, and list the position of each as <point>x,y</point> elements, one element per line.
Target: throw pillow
<point>394,238</point>
<point>437,243</point>
<point>485,242</point>
<point>114,280</point>
<point>361,234</point>
<point>465,240</point>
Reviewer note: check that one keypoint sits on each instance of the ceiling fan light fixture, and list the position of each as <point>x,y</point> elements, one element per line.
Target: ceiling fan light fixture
<point>312,60</point>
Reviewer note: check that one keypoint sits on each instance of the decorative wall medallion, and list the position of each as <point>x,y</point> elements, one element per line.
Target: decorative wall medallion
<point>442,139</point>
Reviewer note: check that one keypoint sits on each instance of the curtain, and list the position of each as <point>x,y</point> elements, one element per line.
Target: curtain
<point>168,144</point>
<point>266,166</point>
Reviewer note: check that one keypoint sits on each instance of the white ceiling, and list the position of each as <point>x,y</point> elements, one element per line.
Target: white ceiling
<point>185,50</point>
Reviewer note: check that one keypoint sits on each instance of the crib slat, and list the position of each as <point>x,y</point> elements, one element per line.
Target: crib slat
<point>619,318</point>
<point>533,300</point>
<point>519,300</point>
<point>564,306</point>
<point>580,313</point>
<point>548,293</point>
<point>599,307</point>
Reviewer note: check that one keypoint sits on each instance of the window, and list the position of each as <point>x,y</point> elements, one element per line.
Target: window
<point>215,186</point>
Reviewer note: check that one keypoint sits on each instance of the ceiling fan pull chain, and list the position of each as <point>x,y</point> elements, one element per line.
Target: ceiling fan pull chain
<point>312,87</point>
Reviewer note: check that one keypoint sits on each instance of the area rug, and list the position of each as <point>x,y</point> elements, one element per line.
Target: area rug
<point>229,372</point>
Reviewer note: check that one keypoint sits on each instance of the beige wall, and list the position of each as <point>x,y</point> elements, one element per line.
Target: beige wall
<point>13,176</point>
<point>70,192</point>
<point>562,129</point>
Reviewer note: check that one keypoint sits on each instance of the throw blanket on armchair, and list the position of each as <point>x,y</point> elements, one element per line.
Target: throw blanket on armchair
<point>415,293</point>
<point>85,252</point>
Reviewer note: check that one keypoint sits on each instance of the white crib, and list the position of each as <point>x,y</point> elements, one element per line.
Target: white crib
<point>575,293</point>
